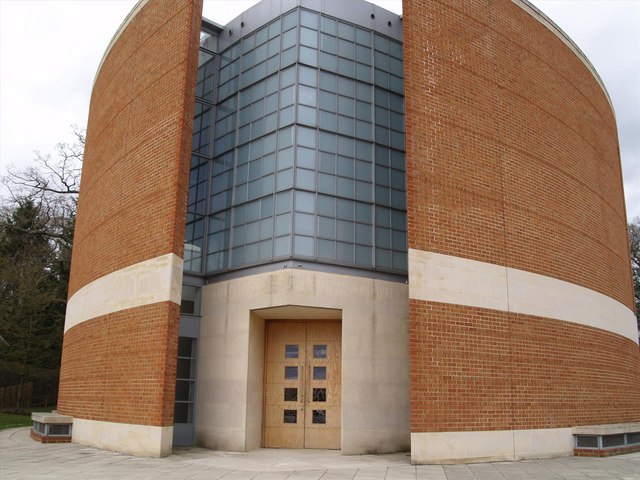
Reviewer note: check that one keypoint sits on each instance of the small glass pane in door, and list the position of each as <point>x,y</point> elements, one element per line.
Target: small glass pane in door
<point>319,416</point>
<point>290,416</point>
<point>319,351</point>
<point>291,351</point>
<point>319,394</point>
<point>319,373</point>
<point>290,394</point>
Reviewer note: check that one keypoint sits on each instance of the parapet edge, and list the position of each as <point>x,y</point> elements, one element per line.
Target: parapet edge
<point>561,34</point>
<point>134,11</point>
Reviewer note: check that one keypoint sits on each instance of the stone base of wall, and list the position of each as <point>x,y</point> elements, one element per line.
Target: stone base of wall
<point>490,446</point>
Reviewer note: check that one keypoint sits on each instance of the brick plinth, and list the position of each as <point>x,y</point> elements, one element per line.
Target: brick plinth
<point>608,452</point>
<point>45,439</point>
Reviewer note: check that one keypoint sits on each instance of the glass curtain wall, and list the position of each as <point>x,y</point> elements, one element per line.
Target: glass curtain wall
<point>307,149</point>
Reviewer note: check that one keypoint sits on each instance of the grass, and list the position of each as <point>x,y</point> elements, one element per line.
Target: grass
<point>12,420</point>
<point>22,419</point>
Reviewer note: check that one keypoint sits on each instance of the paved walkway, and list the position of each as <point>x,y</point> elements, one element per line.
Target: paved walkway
<point>23,458</point>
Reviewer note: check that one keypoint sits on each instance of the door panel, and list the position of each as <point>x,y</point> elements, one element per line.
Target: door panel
<point>281,429</point>
<point>322,412</point>
<point>302,385</point>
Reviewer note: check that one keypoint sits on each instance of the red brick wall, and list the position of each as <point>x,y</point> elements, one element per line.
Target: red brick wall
<point>480,369</point>
<point>512,159</point>
<point>132,207</point>
<point>121,367</point>
<point>134,180</point>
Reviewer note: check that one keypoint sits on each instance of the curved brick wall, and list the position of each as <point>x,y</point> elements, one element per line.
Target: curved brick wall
<point>512,160</point>
<point>120,367</point>
<point>133,198</point>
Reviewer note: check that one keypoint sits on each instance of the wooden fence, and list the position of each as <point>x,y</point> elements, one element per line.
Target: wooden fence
<point>29,394</point>
<point>16,396</point>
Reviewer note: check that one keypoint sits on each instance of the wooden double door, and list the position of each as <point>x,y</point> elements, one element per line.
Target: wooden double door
<point>302,385</point>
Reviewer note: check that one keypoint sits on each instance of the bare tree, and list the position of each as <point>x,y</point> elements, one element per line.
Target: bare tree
<point>53,185</point>
<point>59,175</point>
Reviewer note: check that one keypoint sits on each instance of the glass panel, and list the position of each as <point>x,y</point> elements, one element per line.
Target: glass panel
<point>59,430</point>
<point>306,137</point>
<point>612,440</point>
<point>288,39</point>
<point>319,394</point>
<point>305,179</point>
<point>290,373</point>
<point>308,19</point>
<point>283,246</point>
<point>290,394</point>
<point>291,351</point>
<point>304,224</point>
<point>190,303</point>
<point>364,255</point>
<point>344,252</point>
<point>185,347</point>
<point>283,224</point>
<point>309,38</point>
<point>307,95</point>
<point>305,202</point>
<point>185,370</point>
<point>308,56</point>
<point>319,351</point>
<point>308,76</point>
<point>285,179</point>
<point>329,43</point>
<point>587,441</point>
<point>305,157</point>
<point>633,438</point>
<point>345,231</point>
<point>290,416</point>
<point>328,121</point>
<point>326,227</point>
<point>326,205</point>
<point>303,246</point>
<point>326,249</point>
<point>319,416</point>
<point>319,373</point>
<point>184,390</point>
<point>183,413</point>
<point>329,25</point>
<point>283,202</point>
<point>288,56</point>
<point>285,158</point>
<point>39,427</point>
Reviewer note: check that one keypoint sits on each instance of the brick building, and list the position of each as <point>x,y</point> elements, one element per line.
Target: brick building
<point>326,226</point>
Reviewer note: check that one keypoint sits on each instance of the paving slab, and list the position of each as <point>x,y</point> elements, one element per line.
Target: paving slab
<point>22,458</point>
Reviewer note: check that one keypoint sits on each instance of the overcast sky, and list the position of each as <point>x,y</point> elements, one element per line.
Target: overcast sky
<point>50,50</point>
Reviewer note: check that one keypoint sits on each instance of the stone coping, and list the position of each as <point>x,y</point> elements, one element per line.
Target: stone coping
<point>612,429</point>
<point>51,418</point>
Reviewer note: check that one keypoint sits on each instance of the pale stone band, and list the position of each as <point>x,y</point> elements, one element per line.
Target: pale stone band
<point>490,446</point>
<point>152,281</point>
<point>454,280</point>
<point>143,440</point>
